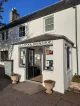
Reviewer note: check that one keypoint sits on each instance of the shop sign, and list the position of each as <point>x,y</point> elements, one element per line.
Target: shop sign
<point>41,43</point>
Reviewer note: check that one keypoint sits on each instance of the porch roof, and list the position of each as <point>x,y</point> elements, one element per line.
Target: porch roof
<point>43,37</point>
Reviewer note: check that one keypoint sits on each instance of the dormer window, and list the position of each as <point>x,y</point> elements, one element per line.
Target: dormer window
<point>21,31</point>
<point>5,35</point>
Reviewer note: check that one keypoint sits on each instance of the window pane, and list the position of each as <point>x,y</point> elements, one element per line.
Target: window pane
<point>46,21</point>
<point>6,35</point>
<point>21,31</point>
<point>49,27</point>
<point>4,55</point>
<point>20,28</point>
<point>68,58</point>
<point>3,36</point>
<point>23,28</point>
<point>49,21</point>
<point>22,57</point>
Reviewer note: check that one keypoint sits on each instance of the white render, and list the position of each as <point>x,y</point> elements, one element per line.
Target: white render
<point>64,24</point>
<point>60,74</point>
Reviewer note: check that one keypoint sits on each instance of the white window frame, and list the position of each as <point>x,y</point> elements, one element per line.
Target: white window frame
<point>5,35</point>
<point>23,25</point>
<point>47,17</point>
<point>21,49</point>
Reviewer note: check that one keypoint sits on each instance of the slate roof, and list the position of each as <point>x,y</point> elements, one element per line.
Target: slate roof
<point>42,12</point>
<point>44,37</point>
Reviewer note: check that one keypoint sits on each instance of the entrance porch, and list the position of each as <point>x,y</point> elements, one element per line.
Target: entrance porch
<point>53,55</point>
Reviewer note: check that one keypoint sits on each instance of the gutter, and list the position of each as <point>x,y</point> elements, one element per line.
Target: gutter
<point>76,37</point>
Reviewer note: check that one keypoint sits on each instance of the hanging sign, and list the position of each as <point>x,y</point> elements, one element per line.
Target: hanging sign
<point>41,43</point>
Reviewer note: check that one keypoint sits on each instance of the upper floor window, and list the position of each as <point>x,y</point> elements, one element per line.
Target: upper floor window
<point>21,31</point>
<point>49,23</point>
<point>5,35</point>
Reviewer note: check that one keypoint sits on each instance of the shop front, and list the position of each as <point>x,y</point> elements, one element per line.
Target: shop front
<point>33,56</point>
<point>45,57</point>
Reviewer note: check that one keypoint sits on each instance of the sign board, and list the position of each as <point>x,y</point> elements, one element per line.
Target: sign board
<point>41,43</point>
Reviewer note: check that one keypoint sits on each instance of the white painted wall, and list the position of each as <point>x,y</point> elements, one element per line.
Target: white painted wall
<point>68,73</point>
<point>19,70</point>
<point>57,73</point>
<point>64,24</point>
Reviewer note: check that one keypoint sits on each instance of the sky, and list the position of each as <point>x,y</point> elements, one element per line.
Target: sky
<point>24,7</point>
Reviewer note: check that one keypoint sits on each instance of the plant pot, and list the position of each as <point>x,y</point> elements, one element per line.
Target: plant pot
<point>75,85</point>
<point>49,84</point>
<point>14,79</point>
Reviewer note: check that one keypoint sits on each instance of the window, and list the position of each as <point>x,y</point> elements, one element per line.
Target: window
<point>4,55</point>
<point>68,57</point>
<point>48,58</point>
<point>21,31</point>
<point>22,57</point>
<point>49,23</point>
<point>5,35</point>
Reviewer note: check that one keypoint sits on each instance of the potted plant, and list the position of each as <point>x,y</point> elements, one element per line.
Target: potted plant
<point>75,83</point>
<point>14,78</point>
<point>49,84</point>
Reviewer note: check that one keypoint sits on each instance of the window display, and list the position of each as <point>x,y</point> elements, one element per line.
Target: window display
<point>49,58</point>
<point>22,57</point>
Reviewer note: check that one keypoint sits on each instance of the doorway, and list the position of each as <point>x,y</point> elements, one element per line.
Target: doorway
<point>30,63</point>
<point>34,67</point>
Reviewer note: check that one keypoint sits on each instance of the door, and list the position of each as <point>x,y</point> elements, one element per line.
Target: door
<point>30,63</point>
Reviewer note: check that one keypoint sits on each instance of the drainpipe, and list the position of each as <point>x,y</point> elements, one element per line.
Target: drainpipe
<point>76,39</point>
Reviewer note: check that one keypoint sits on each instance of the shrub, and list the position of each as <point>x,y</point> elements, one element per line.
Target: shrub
<point>13,74</point>
<point>76,78</point>
<point>48,81</point>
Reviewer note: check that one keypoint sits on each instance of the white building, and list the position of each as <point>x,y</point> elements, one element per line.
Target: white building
<point>44,43</point>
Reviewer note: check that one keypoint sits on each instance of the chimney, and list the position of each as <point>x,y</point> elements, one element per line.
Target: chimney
<point>14,14</point>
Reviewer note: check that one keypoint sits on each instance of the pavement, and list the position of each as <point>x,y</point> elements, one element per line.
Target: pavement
<point>12,97</point>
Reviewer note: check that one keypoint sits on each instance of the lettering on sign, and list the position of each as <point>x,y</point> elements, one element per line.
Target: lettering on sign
<point>41,43</point>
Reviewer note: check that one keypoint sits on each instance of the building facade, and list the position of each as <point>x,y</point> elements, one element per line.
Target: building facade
<point>24,36</point>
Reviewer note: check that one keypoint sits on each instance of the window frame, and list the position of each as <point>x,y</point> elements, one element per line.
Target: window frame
<point>2,60</point>
<point>44,59</point>
<point>47,17</point>
<point>20,65</point>
<point>5,35</point>
<point>21,31</point>
<point>69,55</point>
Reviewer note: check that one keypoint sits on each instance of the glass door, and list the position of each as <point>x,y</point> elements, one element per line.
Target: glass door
<point>30,63</point>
